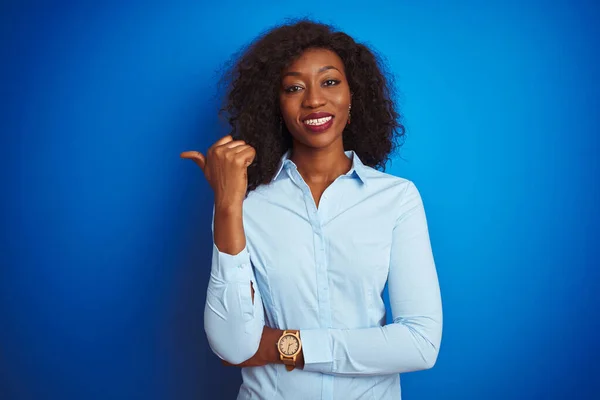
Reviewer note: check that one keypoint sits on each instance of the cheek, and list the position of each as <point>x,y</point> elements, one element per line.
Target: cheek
<point>341,100</point>
<point>288,114</point>
<point>287,109</point>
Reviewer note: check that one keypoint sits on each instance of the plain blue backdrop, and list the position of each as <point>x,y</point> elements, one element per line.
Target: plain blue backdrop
<point>106,239</point>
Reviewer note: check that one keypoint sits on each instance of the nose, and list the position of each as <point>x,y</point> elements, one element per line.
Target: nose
<point>313,97</point>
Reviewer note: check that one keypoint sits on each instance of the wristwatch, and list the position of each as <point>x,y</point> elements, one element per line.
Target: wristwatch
<point>289,345</point>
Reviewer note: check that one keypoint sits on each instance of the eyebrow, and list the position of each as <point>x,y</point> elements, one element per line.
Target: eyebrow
<point>322,69</point>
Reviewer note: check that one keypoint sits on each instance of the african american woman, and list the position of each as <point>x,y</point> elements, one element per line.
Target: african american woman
<point>308,230</point>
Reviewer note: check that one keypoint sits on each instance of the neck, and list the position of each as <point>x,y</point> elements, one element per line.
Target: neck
<point>320,166</point>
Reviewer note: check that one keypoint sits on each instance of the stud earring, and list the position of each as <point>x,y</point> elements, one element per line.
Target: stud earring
<point>349,107</point>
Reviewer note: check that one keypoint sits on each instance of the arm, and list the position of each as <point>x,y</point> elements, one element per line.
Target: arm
<point>233,314</point>
<point>412,341</point>
<point>233,321</point>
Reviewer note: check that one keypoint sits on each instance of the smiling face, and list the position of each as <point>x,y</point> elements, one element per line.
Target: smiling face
<point>314,98</point>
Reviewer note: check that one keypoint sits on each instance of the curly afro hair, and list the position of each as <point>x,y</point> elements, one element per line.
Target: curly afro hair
<point>251,105</point>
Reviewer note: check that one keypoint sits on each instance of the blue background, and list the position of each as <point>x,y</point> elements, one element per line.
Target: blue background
<point>106,234</point>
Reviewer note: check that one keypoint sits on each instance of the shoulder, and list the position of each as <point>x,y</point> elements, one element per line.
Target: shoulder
<point>398,193</point>
<point>383,180</point>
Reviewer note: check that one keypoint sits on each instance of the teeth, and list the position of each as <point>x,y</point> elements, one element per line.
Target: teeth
<point>319,121</point>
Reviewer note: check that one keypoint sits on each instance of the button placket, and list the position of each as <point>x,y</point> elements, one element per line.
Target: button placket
<point>315,217</point>
<point>322,277</point>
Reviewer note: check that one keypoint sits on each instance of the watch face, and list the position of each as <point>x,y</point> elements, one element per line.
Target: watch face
<point>288,345</point>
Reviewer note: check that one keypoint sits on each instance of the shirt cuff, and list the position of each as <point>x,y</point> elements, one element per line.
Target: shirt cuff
<point>231,268</point>
<point>316,346</point>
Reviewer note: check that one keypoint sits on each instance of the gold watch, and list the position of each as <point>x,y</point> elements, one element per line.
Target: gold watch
<point>289,346</point>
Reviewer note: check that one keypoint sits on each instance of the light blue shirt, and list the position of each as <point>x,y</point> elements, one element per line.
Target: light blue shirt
<point>322,271</point>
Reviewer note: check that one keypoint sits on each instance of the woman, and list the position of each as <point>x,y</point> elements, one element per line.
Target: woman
<point>307,232</point>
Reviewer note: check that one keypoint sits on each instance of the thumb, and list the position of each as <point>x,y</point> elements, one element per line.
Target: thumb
<point>195,156</point>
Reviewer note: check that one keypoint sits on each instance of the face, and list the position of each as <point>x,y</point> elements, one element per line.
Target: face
<point>314,98</point>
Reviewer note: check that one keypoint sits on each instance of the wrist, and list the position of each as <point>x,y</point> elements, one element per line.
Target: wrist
<point>293,358</point>
<point>272,337</point>
<point>229,207</point>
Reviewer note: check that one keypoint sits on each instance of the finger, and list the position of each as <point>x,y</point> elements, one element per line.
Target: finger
<point>239,149</point>
<point>247,155</point>
<point>232,153</point>
<point>189,154</point>
<point>223,140</point>
<point>233,144</point>
<point>195,156</point>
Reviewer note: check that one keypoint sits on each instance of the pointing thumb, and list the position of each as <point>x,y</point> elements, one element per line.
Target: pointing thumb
<point>195,156</point>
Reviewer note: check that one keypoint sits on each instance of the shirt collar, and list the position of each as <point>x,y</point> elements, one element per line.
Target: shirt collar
<point>358,169</point>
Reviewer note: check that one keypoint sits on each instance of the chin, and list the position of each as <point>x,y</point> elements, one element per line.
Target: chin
<point>318,141</point>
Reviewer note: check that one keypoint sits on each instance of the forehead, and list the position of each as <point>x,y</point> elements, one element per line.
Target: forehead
<point>311,60</point>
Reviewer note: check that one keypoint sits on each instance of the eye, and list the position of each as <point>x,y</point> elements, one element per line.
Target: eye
<point>292,89</point>
<point>331,82</point>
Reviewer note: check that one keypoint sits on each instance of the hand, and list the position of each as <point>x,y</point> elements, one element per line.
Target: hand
<point>267,352</point>
<point>225,167</point>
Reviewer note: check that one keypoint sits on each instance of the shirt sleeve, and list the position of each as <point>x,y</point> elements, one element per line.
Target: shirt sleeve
<point>412,341</point>
<point>232,321</point>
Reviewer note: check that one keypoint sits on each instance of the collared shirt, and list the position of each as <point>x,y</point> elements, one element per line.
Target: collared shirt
<point>323,270</point>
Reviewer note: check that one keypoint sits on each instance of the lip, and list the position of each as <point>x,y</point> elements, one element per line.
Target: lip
<point>318,128</point>
<point>316,115</point>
